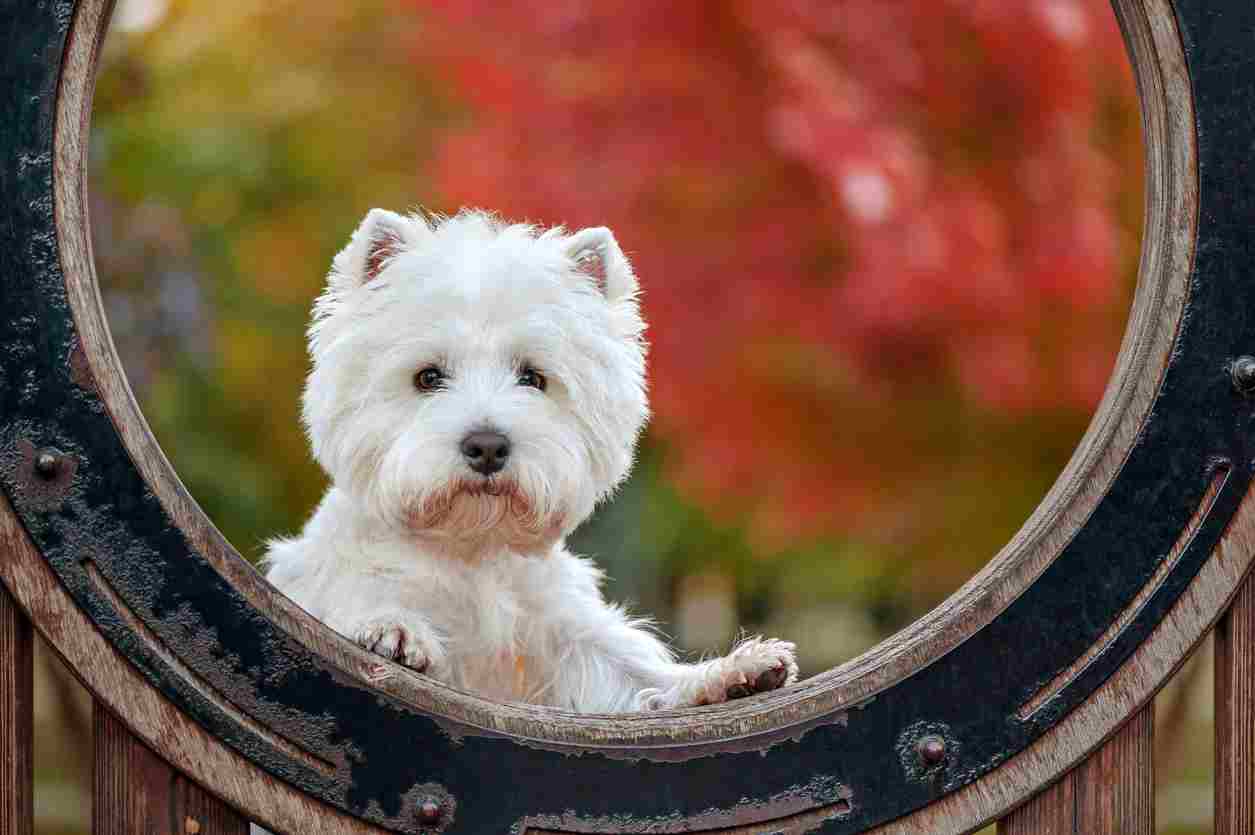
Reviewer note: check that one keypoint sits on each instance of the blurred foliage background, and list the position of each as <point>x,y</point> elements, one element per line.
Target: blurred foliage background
<point>887,252</point>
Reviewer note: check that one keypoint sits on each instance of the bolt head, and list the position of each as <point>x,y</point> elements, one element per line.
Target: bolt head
<point>429,812</point>
<point>46,463</point>
<point>1242,370</point>
<point>931,749</point>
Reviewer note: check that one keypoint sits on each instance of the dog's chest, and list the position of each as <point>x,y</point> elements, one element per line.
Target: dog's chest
<point>497,638</point>
<point>508,675</point>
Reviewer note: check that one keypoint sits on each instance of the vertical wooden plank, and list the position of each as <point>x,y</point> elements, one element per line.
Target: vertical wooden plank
<point>17,786</point>
<point>197,812</point>
<point>1053,812</point>
<point>1111,793</point>
<point>1235,715</point>
<point>110,773</point>
<point>136,793</point>
<point>1115,787</point>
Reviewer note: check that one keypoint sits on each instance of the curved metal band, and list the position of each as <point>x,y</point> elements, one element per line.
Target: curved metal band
<point>1027,667</point>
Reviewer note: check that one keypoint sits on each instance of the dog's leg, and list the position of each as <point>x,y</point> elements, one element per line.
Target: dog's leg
<point>405,637</point>
<point>616,664</point>
<point>755,665</point>
<point>378,611</point>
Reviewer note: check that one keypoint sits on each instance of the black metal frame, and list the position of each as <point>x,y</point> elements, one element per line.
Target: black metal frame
<point>86,506</point>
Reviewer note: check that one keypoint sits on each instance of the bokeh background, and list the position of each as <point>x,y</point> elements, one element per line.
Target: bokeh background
<point>887,250</point>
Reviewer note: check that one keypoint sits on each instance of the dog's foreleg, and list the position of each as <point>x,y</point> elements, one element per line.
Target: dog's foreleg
<point>612,663</point>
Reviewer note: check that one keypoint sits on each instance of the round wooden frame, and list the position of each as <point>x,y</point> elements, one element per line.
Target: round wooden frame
<point>1129,560</point>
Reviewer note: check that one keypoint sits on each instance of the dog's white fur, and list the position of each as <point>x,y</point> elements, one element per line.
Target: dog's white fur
<point>462,576</point>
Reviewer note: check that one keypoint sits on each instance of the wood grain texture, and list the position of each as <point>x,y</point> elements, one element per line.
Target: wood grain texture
<point>1126,692</point>
<point>17,789</point>
<point>1218,479</point>
<point>1053,812</point>
<point>799,824</point>
<point>1235,716</point>
<point>136,793</point>
<point>1110,793</point>
<point>1115,787</point>
<point>122,689</point>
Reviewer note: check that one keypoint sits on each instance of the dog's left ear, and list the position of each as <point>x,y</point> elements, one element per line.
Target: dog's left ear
<point>597,255</point>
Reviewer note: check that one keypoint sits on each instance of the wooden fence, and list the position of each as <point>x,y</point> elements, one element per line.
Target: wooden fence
<point>1026,697</point>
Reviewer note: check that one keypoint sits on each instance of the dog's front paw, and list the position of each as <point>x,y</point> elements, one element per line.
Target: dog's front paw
<point>756,665</point>
<point>405,641</point>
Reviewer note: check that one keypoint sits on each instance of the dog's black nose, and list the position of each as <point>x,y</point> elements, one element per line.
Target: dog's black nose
<point>486,452</point>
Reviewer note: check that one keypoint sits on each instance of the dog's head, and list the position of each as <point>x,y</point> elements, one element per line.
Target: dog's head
<point>473,379</point>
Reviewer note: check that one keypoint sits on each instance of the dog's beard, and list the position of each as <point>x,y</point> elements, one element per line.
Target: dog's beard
<point>485,509</point>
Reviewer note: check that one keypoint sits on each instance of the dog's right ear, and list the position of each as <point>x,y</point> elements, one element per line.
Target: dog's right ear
<point>382,236</point>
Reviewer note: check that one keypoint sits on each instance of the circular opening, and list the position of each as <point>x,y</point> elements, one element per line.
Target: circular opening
<point>975,392</point>
<point>978,622</point>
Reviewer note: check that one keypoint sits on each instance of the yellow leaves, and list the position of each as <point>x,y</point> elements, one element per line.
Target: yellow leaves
<point>284,257</point>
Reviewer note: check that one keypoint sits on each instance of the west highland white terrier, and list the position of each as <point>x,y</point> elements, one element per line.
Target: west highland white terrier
<point>477,388</point>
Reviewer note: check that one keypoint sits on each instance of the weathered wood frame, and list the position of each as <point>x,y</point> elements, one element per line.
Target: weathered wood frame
<point>1137,550</point>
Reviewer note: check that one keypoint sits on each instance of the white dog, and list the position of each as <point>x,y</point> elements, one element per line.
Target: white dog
<point>476,389</point>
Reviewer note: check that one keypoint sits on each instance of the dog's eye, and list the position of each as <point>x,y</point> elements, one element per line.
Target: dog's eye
<point>429,379</point>
<point>532,378</point>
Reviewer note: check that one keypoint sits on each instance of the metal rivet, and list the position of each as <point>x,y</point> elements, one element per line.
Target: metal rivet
<point>931,749</point>
<point>1242,370</point>
<point>429,812</point>
<point>47,463</point>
